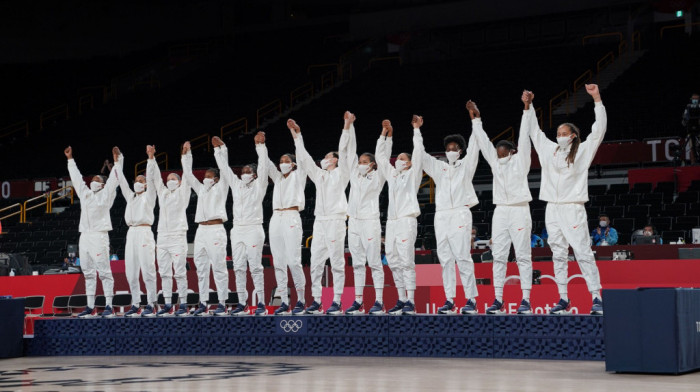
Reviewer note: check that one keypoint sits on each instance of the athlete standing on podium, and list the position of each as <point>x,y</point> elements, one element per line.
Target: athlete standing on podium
<point>564,187</point>
<point>511,222</point>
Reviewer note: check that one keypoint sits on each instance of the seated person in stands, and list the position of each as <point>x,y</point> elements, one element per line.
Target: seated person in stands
<point>475,231</point>
<point>604,235</point>
<point>67,262</point>
<point>536,241</point>
<point>648,231</point>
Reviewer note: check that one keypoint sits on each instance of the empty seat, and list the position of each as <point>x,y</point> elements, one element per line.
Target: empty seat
<point>42,245</point>
<point>597,189</point>
<point>687,197</point>
<point>665,187</point>
<point>686,222</point>
<point>614,211</point>
<point>626,199</point>
<point>604,200</point>
<point>676,209</point>
<point>661,223</point>
<point>616,189</point>
<point>641,187</point>
<point>624,227</point>
<point>673,236</point>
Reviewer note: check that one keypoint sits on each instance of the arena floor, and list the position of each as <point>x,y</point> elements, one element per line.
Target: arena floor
<point>298,374</point>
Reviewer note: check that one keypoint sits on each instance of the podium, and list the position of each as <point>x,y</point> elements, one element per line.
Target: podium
<point>652,330</point>
<point>11,327</point>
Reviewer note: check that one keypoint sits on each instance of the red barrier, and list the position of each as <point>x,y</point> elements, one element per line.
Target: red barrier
<point>684,176</point>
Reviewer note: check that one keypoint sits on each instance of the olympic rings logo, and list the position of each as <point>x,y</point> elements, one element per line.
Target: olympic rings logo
<point>291,325</point>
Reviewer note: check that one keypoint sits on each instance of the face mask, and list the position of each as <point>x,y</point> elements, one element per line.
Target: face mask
<point>564,141</point>
<point>694,101</point>
<point>648,233</point>
<point>400,165</point>
<point>504,160</point>
<point>247,177</point>
<point>172,185</point>
<point>208,182</point>
<point>603,223</point>
<point>364,169</point>
<point>325,163</point>
<point>96,186</point>
<point>452,156</point>
<point>285,167</point>
<point>139,187</point>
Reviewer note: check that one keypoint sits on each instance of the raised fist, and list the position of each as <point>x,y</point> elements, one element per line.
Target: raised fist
<point>151,151</point>
<point>186,148</point>
<point>259,138</point>
<point>473,110</point>
<point>68,152</point>
<point>387,129</point>
<point>592,90</point>
<point>349,119</point>
<point>417,121</point>
<point>216,141</point>
<point>115,153</point>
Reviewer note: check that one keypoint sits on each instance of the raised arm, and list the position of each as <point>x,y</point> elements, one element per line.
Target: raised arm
<point>221,157</point>
<point>599,127</point>
<point>187,168</point>
<point>417,157</point>
<point>539,139</point>
<point>75,177</point>
<point>479,136</point>
<point>383,150</point>
<point>429,162</point>
<point>529,118</point>
<point>262,164</point>
<point>346,157</point>
<point>304,160</point>
<point>153,176</point>
<point>121,180</point>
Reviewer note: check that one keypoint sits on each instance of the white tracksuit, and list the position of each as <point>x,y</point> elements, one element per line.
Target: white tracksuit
<point>247,234</point>
<point>172,233</point>
<point>210,240</point>
<point>285,225</point>
<point>95,223</point>
<point>454,196</point>
<point>364,226</point>
<point>511,222</point>
<point>139,253</point>
<point>565,189</point>
<point>401,224</point>
<point>330,214</point>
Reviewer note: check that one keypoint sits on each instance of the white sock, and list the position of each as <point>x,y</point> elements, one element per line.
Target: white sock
<point>564,296</point>
<point>358,299</point>
<point>402,295</point>
<point>451,300</point>
<point>526,295</point>
<point>379,294</point>
<point>595,294</point>
<point>168,300</point>
<point>91,301</point>
<point>499,293</point>
<point>301,295</point>
<point>285,299</point>
<point>317,299</point>
<point>336,298</point>
<point>108,301</point>
<point>409,294</point>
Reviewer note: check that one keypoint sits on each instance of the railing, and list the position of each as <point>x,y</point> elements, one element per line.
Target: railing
<point>35,206</point>
<point>553,104</point>
<point>60,111</point>
<point>69,192</point>
<point>239,125</point>
<point>164,155</point>
<point>104,91</point>
<point>11,214</point>
<point>326,65</point>
<point>22,126</point>
<point>271,107</point>
<point>201,141</point>
<point>381,59</point>
<point>622,48</point>
<point>605,61</point>
<point>431,185</point>
<point>508,131</point>
<point>327,81</point>
<point>613,34</point>
<point>305,91</point>
<point>85,100</point>
<point>663,29</point>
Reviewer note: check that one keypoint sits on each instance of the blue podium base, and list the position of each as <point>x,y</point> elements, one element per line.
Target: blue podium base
<point>512,336</point>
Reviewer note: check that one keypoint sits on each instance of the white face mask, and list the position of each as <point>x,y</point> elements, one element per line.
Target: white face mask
<point>452,156</point>
<point>172,184</point>
<point>247,177</point>
<point>400,164</point>
<point>564,141</point>
<point>285,167</point>
<point>648,233</point>
<point>208,182</point>
<point>96,186</point>
<point>139,187</point>
<point>325,163</point>
<point>364,169</point>
<point>504,160</point>
<point>603,223</point>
